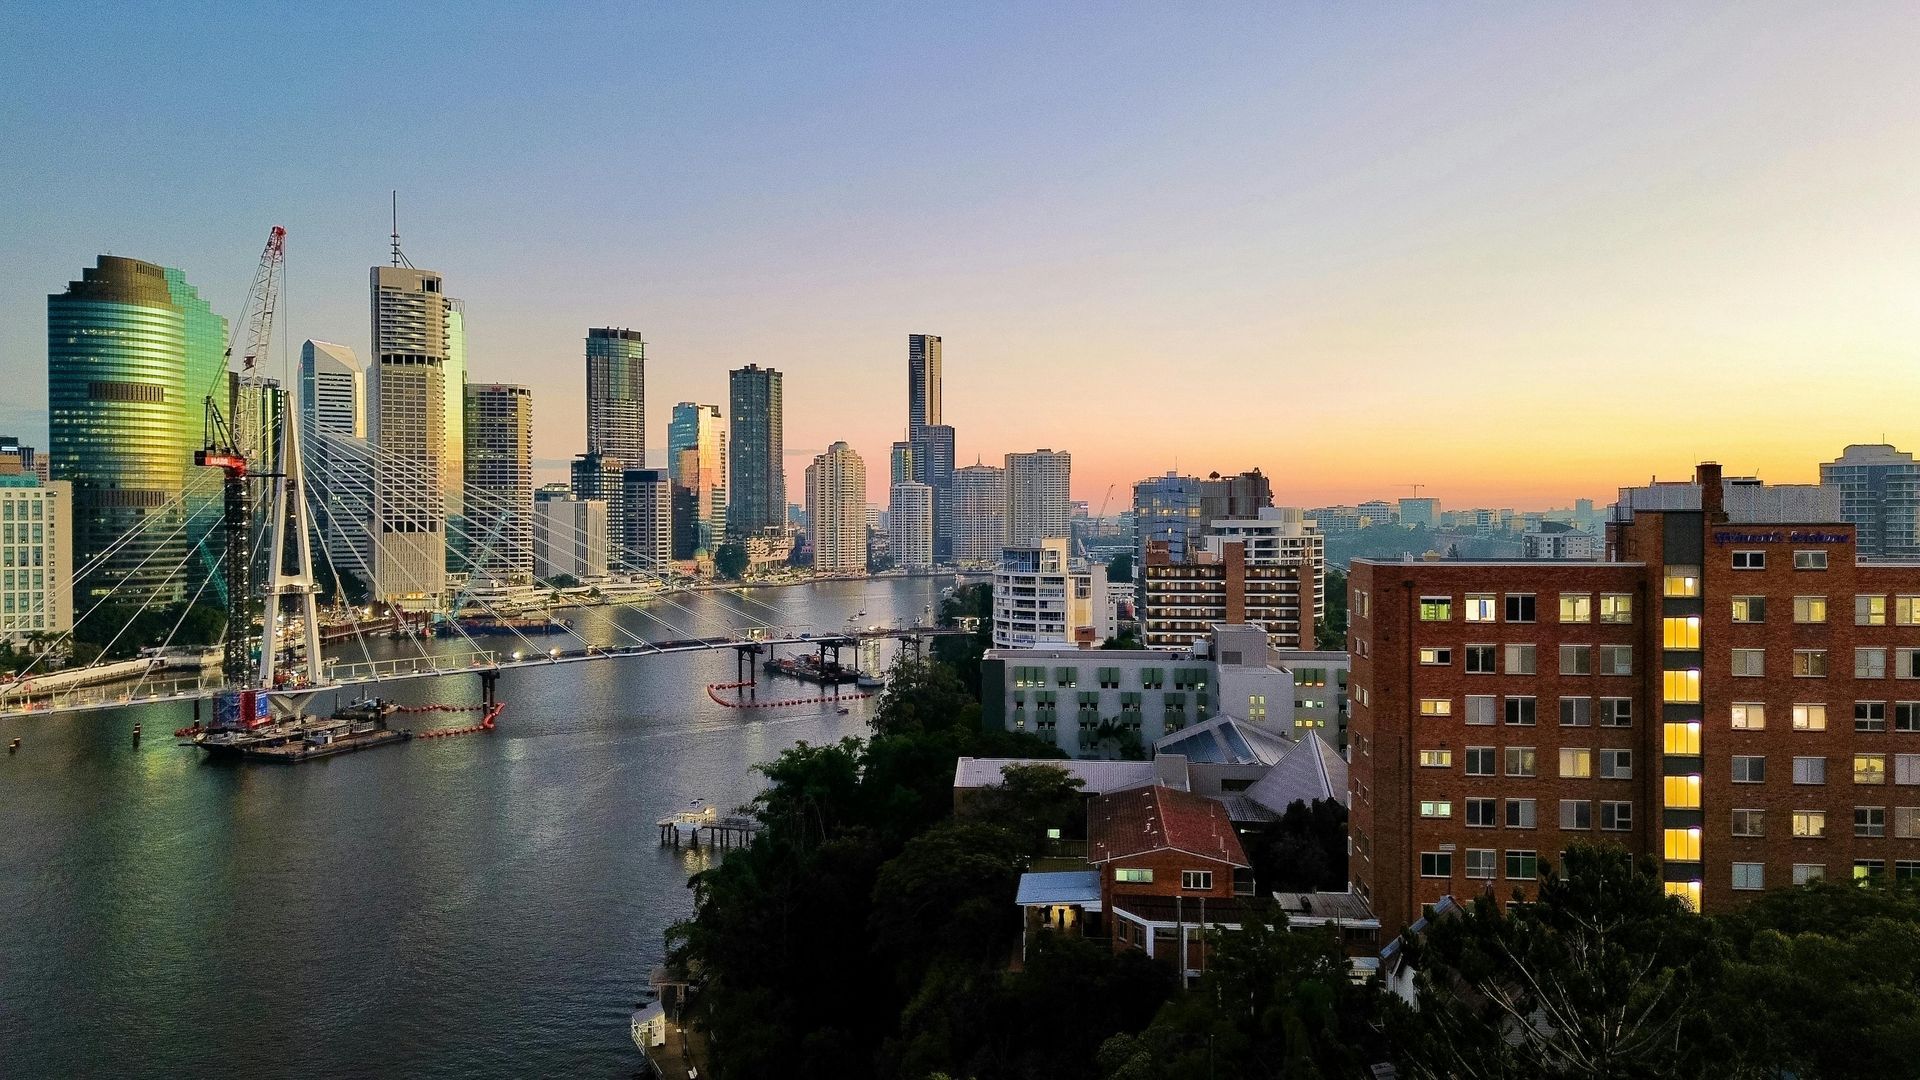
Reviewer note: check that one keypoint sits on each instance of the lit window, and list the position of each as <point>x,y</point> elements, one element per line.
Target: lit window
<point>1683,845</point>
<point>1809,609</point>
<point>1906,610</point>
<point>1197,880</point>
<point>1749,609</point>
<point>1481,607</point>
<point>1869,768</point>
<point>1576,762</point>
<point>1436,808</point>
<point>1749,823</point>
<point>1681,632</point>
<point>1436,608</point>
<point>1576,607</point>
<point>1616,607</point>
<point>1436,657</point>
<point>1749,875</point>
<point>1749,662</point>
<point>1137,877</point>
<point>1749,716</point>
<point>1870,611</point>
<point>1687,891</point>
<point>1683,581</point>
<point>1436,706</point>
<point>1436,864</point>
<point>1809,560</point>
<point>1868,869</point>
<point>1810,663</point>
<point>1809,717</point>
<point>1682,687</point>
<point>1436,759</point>
<point>1682,792</point>
<point>1809,770</point>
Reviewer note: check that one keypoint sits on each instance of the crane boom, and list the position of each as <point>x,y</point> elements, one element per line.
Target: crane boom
<point>263,298</point>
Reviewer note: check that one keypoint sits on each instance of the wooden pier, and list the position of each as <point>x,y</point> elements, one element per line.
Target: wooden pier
<point>688,828</point>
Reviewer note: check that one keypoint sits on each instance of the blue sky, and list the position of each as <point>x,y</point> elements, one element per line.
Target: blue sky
<point>1349,244</point>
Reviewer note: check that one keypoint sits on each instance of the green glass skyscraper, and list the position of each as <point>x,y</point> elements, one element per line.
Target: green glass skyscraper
<point>132,354</point>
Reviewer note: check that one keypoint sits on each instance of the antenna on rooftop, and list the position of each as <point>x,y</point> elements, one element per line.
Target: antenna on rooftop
<point>398,259</point>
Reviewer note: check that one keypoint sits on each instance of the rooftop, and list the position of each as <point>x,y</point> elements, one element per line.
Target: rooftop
<point>1157,818</point>
<point>1225,740</point>
<point>1312,909</point>
<point>1096,777</point>
<point>1080,887</point>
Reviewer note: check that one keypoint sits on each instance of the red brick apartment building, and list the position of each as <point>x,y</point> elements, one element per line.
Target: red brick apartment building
<point>1731,692</point>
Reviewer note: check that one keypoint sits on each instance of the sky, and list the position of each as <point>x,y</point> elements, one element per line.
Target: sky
<point>1517,254</point>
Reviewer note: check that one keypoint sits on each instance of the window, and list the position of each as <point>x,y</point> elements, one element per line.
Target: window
<point>1520,711</point>
<point>1682,791</point>
<point>1616,712</point>
<point>1363,604</point>
<point>1576,660</point>
<point>1906,663</point>
<point>1436,706</point>
<point>1479,607</point>
<point>1805,872</point>
<point>1436,657</point>
<point>1809,770</point>
<point>1749,769</point>
<point>1870,821</point>
<point>1480,659</point>
<point>1906,870</point>
<point>1682,737</point>
<point>1810,663</point>
<point>1906,822</point>
<point>1196,880</point>
<point>1683,581</point>
<point>1520,814</point>
<point>1616,764</point>
<point>1749,823</point>
<point>1749,716</point>
<point>1870,663</point>
<point>1809,717</point>
<point>1436,609</point>
<point>1138,877</point>
<point>1749,609</point>
<point>1681,632</point>
<point>1616,659</point>
<point>1523,865</point>
<point>1616,816</point>
<point>1520,607</point>
<point>1906,610</point>
<point>1749,560</point>
<point>1576,711</point>
<point>1749,662</point>
<point>1480,814</point>
<point>1479,761</point>
<point>1520,660</point>
<point>1906,768</point>
<point>1869,768</point>
<point>1436,808</point>
<point>1867,869</point>
<point>1683,845</point>
<point>1869,611</point>
<point>1809,560</point>
<point>1616,607</point>
<point>1809,824</point>
<point>1576,814</point>
<point>1576,762</point>
<point>1480,709</point>
<point>1869,716</point>
<point>1521,761</point>
<point>1809,609</point>
<point>1682,686</point>
<point>1749,875</point>
<point>1480,863</point>
<point>1576,607</point>
<point>1436,759</point>
<point>1436,864</point>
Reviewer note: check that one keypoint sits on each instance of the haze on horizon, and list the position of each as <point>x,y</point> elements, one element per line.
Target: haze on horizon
<point>1517,255</point>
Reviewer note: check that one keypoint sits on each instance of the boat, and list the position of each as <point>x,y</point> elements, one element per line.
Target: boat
<point>242,729</point>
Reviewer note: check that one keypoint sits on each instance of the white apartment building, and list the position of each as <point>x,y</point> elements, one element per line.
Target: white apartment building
<point>1038,504</point>
<point>36,557</point>
<point>1280,536</point>
<point>979,514</point>
<point>1041,600</point>
<point>569,536</point>
<point>837,511</point>
<point>910,525</point>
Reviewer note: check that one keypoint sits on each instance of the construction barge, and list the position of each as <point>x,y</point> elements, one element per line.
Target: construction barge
<point>809,668</point>
<point>242,729</point>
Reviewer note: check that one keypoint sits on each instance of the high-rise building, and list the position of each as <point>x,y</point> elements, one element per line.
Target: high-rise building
<point>1038,504</point>
<point>333,391</point>
<point>499,483</point>
<point>603,478</point>
<point>1717,694</point>
<point>979,514</point>
<point>569,536</point>
<point>1425,513</point>
<point>837,511</point>
<point>927,454</point>
<point>1267,571</point>
<point>923,383</point>
<point>910,525</point>
<point>697,458</point>
<point>35,598</point>
<point>1042,600</point>
<point>133,354</point>
<point>647,495</point>
<point>1178,510</point>
<point>757,481</point>
<point>17,459</point>
<point>333,415</point>
<point>407,428</point>
<point>617,395</point>
<point>1880,496</point>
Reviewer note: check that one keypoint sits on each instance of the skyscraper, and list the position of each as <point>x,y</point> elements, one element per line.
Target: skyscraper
<point>499,464</point>
<point>910,525</point>
<point>923,383</point>
<point>453,468</point>
<point>1180,510</point>
<point>407,428</point>
<point>1880,495</point>
<point>333,415</point>
<point>757,482</point>
<point>837,510</point>
<point>36,598</point>
<point>1038,506</point>
<point>697,458</point>
<point>648,498</point>
<point>617,395</point>
<point>132,355</point>
<point>979,514</point>
<point>603,478</point>
<point>929,444</point>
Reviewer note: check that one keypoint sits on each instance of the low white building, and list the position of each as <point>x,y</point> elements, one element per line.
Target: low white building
<point>1041,600</point>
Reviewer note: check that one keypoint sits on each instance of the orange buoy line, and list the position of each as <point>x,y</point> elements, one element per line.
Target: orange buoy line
<point>485,724</point>
<point>713,691</point>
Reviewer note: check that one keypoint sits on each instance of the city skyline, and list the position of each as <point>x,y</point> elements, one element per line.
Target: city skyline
<point>1679,199</point>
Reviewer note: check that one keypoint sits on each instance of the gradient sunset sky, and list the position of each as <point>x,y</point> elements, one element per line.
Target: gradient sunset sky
<point>1518,254</point>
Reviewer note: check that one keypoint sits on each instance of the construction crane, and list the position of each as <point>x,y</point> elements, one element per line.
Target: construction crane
<point>1416,489</point>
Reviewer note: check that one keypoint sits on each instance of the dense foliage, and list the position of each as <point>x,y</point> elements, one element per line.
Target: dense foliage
<point>730,560</point>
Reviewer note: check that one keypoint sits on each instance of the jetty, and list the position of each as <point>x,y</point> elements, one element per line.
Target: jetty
<point>692,828</point>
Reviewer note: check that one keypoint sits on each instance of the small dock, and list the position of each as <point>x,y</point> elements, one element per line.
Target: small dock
<point>690,828</point>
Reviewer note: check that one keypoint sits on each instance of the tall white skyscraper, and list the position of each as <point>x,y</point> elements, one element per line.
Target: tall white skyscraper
<point>837,510</point>
<point>407,426</point>
<point>910,525</point>
<point>1038,504</point>
<point>979,514</point>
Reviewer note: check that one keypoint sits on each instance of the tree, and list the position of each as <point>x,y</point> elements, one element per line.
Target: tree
<point>963,653</point>
<point>730,560</point>
<point>1030,800</point>
<point>1128,640</point>
<point>921,696</point>
<point>1331,633</point>
<point>1121,568</point>
<point>1305,850</point>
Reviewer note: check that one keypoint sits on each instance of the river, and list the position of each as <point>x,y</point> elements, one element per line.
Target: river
<point>480,906</point>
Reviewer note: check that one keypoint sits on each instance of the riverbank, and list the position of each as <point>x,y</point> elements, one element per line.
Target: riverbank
<point>782,583</point>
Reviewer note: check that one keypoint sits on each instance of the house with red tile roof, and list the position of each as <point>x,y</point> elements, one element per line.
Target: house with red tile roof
<point>1170,866</point>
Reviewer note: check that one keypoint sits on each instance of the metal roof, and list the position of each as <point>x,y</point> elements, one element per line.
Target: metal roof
<point>1078,887</point>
